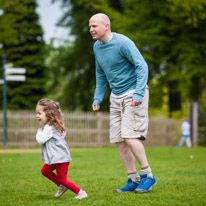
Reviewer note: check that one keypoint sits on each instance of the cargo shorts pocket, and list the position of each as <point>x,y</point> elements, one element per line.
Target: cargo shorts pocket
<point>140,120</point>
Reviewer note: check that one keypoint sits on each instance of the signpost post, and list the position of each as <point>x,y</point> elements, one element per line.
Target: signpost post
<point>8,70</point>
<point>4,102</point>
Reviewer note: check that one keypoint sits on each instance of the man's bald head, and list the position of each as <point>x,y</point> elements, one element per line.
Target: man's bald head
<point>101,17</point>
<point>99,25</point>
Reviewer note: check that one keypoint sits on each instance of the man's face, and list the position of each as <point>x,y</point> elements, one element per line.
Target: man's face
<point>97,28</point>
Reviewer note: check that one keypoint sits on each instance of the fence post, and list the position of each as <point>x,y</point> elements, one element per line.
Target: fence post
<point>193,118</point>
<point>99,128</point>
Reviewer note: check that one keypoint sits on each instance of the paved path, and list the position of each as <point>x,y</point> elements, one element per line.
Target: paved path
<point>20,151</point>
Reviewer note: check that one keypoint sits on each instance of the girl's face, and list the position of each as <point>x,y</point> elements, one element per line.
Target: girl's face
<point>41,115</point>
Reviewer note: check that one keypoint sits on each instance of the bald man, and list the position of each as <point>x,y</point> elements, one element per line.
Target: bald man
<point>119,63</point>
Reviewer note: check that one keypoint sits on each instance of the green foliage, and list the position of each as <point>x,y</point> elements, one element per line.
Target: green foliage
<point>75,62</point>
<point>180,173</point>
<point>21,37</point>
<point>170,35</point>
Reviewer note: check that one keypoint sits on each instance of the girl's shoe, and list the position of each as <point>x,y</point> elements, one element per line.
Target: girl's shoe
<point>61,190</point>
<point>81,195</point>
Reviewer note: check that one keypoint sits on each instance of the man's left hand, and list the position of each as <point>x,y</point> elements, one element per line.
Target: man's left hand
<point>135,103</point>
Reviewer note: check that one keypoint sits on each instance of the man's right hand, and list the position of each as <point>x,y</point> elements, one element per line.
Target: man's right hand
<point>96,107</point>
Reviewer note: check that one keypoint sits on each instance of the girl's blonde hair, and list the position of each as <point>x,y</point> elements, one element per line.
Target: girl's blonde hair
<point>53,113</point>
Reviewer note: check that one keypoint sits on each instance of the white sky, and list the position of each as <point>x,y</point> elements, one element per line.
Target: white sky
<point>49,15</point>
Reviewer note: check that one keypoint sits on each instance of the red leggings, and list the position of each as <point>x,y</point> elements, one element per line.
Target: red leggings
<point>61,175</point>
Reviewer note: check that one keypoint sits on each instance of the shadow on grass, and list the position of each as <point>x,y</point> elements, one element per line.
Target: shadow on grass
<point>44,197</point>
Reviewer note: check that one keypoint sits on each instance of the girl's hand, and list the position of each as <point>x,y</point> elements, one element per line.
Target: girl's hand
<point>39,130</point>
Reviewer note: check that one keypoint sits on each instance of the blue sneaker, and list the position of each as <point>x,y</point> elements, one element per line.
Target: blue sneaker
<point>130,186</point>
<point>146,184</point>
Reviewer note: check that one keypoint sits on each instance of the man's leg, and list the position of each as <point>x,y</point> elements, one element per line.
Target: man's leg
<point>147,179</point>
<point>126,156</point>
<point>128,161</point>
<point>125,153</point>
<point>137,148</point>
<point>134,129</point>
<point>138,151</point>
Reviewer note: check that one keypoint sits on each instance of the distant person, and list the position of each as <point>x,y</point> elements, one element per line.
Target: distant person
<point>55,151</point>
<point>185,132</point>
<point>119,63</point>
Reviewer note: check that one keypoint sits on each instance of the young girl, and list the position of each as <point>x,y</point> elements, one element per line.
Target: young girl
<point>55,151</point>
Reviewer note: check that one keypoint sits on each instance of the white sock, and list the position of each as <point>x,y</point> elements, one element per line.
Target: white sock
<point>133,176</point>
<point>147,171</point>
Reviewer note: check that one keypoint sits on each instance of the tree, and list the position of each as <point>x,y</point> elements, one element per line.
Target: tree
<point>21,37</point>
<point>77,60</point>
<point>173,38</point>
<point>202,121</point>
<point>170,35</point>
<point>74,63</point>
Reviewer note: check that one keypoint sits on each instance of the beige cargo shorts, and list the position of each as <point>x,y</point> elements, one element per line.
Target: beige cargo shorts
<point>128,121</point>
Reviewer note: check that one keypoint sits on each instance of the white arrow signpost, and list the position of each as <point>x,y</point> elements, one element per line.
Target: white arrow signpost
<point>9,74</point>
<point>10,70</point>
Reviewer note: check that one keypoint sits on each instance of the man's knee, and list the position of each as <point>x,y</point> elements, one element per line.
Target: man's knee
<point>121,145</point>
<point>123,148</point>
<point>129,141</point>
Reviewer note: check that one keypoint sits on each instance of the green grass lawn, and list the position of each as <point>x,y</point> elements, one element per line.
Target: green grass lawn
<point>180,176</point>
